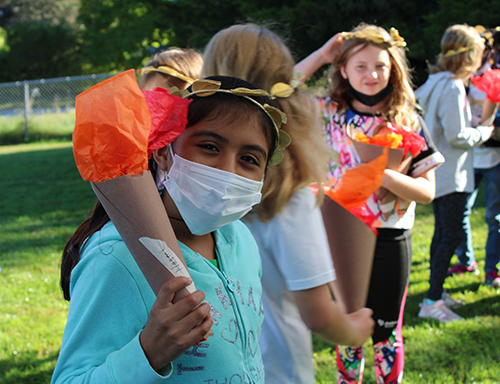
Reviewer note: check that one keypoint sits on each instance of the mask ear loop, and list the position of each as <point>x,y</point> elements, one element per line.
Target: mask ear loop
<point>161,175</point>
<point>171,157</point>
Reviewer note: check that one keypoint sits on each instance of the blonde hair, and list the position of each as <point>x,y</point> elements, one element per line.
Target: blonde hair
<point>400,104</point>
<point>186,61</point>
<point>461,51</point>
<point>255,54</point>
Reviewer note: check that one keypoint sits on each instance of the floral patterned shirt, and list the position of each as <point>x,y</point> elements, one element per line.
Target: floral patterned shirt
<point>336,123</point>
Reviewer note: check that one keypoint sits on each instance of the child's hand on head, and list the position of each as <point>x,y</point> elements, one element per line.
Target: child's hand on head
<point>174,328</point>
<point>330,49</point>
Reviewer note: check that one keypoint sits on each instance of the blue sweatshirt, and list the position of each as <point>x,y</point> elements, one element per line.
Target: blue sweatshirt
<point>111,301</point>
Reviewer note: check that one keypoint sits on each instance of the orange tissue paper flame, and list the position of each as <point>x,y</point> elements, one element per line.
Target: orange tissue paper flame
<point>356,186</point>
<point>395,137</point>
<point>112,126</point>
<point>118,126</point>
<point>389,140</point>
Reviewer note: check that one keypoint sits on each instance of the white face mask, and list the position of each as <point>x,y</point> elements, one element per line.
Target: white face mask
<point>209,198</point>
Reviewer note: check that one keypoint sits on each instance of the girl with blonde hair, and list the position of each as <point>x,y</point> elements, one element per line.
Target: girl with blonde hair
<point>370,88</point>
<point>287,224</point>
<point>399,105</point>
<point>256,54</point>
<point>173,67</point>
<point>461,52</point>
<point>448,116</point>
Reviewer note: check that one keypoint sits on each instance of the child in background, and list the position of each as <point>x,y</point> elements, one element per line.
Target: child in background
<point>370,87</point>
<point>287,224</point>
<point>486,161</point>
<point>173,67</point>
<point>117,330</point>
<point>448,116</point>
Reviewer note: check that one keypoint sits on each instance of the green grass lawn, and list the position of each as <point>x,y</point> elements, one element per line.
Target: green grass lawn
<point>49,126</point>
<point>43,201</point>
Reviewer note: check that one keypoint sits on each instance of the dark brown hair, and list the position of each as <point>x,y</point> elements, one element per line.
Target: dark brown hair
<point>225,106</point>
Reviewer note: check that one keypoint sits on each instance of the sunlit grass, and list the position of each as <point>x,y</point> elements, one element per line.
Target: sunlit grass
<point>44,127</point>
<point>43,201</point>
<point>465,351</point>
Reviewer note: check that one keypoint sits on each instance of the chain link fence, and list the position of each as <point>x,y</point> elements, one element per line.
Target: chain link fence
<point>32,97</point>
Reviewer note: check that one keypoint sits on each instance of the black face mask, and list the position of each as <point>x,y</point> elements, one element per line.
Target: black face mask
<point>368,100</point>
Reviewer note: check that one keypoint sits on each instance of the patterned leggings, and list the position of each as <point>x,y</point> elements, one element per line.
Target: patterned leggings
<point>386,297</point>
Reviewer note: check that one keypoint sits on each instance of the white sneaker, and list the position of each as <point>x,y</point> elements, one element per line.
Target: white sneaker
<point>438,311</point>
<point>449,302</point>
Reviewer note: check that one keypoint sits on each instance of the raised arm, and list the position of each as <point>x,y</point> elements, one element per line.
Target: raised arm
<point>324,55</point>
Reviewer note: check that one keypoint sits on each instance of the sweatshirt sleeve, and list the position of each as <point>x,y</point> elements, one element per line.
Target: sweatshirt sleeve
<point>106,315</point>
<point>453,115</point>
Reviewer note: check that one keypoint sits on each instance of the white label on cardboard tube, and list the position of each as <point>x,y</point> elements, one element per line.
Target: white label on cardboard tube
<point>168,258</point>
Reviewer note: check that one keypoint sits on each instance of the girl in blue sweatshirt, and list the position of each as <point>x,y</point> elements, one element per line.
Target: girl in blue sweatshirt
<point>118,331</point>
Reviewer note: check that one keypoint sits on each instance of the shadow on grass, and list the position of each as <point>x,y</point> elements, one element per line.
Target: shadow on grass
<point>28,369</point>
<point>35,233</point>
<point>487,306</point>
<point>18,137</point>
<point>455,352</point>
<point>50,174</point>
<point>46,200</point>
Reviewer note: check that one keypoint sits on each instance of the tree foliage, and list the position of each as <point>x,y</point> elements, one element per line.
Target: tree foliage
<point>304,24</point>
<point>46,11</point>
<point>117,34</point>
<point>38,50</point>
<point>40,39</point>
<point>113,35</point>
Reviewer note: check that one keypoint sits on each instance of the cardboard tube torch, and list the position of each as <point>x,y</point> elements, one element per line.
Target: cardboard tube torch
<point>112,136</point>
<point>352,245</point>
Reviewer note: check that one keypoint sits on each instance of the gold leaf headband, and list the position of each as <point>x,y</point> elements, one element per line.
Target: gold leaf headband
<point>283,90</point>
<point>453,52</point>
<point>206,87</point>
<point>166,70</point>
<point>487,34</point>
<point>374,35</point>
